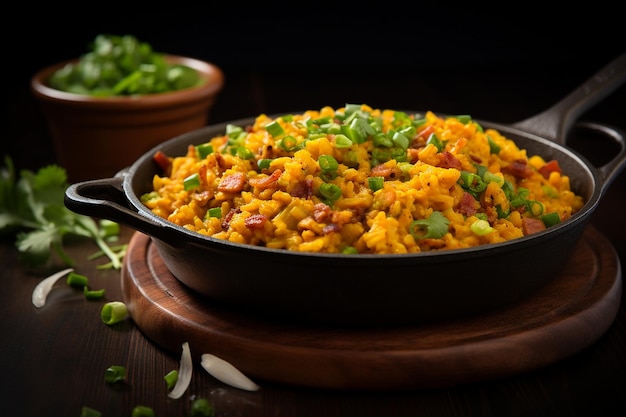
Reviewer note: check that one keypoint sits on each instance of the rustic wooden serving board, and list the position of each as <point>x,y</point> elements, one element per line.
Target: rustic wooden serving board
<point>561,319</point>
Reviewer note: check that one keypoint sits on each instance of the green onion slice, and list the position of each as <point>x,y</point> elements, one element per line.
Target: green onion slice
<point>200,407</point>
<point>89,412</point>
<point>191,182</point>
<point>481,227</point>
<point>113,312</point>
<point>142,411</point>
<point>551,219</point>
<point>170,378</point>
<point>77,280</point>
<point>93,294</point>
<point>115,373</point>
<point>327,163</point>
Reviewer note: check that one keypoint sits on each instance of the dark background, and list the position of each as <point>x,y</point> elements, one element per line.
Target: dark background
<point>500,64</point>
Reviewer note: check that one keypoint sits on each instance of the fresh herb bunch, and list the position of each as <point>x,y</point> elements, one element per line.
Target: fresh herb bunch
<point>121,66</point>
<point>32,209</point>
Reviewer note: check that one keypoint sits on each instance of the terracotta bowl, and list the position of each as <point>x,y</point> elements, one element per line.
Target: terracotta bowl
<point>95,137</point>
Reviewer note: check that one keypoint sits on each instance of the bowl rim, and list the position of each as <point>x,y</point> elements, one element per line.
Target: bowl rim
<point>212,75</point>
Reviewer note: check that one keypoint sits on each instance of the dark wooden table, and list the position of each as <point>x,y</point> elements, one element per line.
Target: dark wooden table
<point>53,361</point>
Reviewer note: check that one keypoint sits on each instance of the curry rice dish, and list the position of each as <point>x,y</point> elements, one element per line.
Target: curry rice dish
<point>361,180</point>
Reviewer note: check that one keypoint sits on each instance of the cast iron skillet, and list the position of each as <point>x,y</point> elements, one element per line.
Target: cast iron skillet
<point>372,289</point>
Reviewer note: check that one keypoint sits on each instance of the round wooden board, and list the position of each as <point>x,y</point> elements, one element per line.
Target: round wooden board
<point>564,317</point>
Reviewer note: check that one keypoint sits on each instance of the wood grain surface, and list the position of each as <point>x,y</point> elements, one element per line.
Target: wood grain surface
<point>561,319</point>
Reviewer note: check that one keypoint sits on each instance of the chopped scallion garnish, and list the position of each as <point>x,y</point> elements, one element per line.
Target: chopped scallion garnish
<point>114,374</point>
<point>113,312</point>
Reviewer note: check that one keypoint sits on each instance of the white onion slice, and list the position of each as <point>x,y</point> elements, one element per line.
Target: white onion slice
<point>227,373</point>
<point>184,373</point>
<point>41,291</point>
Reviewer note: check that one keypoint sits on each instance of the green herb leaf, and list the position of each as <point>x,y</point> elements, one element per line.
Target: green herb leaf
<point>32,209</point>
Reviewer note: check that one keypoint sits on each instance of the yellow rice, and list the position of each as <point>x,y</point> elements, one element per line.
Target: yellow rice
<point>281,204</point>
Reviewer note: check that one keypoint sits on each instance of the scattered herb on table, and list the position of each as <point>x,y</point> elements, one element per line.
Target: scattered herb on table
<point>32,209</point>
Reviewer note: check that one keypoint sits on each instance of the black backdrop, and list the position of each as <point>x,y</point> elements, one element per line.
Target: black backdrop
<point>500,64</point>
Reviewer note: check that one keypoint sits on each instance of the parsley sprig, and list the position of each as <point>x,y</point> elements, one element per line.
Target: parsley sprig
<point>32,210</point>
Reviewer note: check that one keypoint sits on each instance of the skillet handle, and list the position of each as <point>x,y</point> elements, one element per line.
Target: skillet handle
<point>555,122</point>
<point>610,170</point>
<point>105,198</point>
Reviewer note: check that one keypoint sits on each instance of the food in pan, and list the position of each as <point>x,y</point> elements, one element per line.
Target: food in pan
<point>361,180</point>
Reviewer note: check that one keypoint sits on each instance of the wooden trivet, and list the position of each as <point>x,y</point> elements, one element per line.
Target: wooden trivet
<point>566,316</point>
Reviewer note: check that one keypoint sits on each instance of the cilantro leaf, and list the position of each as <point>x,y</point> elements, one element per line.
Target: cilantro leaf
<point>32,209</point>
<point>434,227</point>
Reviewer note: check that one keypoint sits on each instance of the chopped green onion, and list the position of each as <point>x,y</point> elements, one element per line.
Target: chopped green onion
<point>233,131</point>
<point>382,140</point>
<point>322,120</point>
<point>434,140</point>
<point>288,143</point>
<point>204,150</point>
<point>214,212</point>
<point>274,128</point>
<point>342,141</point>
<point>551,219</point>
<point>534,207</point>
<point>419,121</point>
<point>77,280</point>
<point>264,163</point>
<point>375,183</point>
<point>327,163</point>
<point>493,147</point>
<point>550,191</point>
<point>481,227</point>
<point>518,199</point>
<point>332,128</point>
<point>400,140</point>
<point>115,373</point>
<point>351,108</point>
<point>191,182</point>
<point>349,250</point>
<point>481,216</point>
<point>170,378</point>
<point>464,118</point>
<point>113,312</point>
<point>244,153</point>
<point>93,294</point>
<point>89,412</point>
<point>200,407</point>
<point>472,182</point>
<point>330,191</point>
<point>491,177</point>
<point>142,411</point>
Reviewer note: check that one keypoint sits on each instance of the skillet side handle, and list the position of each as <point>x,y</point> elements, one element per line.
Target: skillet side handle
<point>105,198</point>
<point>614,167</point>
<point>555,122</point>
